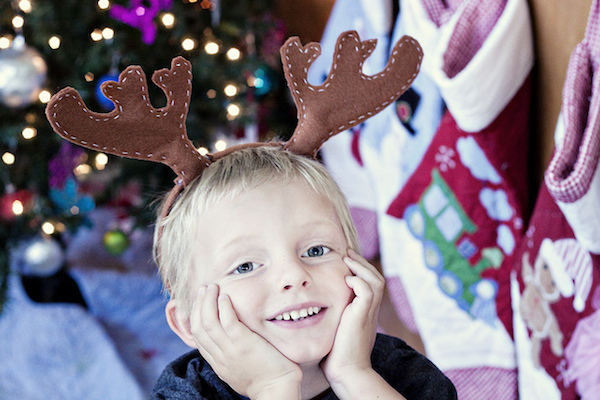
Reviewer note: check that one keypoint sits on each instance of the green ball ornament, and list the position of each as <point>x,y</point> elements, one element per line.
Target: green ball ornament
<point>115,242</point>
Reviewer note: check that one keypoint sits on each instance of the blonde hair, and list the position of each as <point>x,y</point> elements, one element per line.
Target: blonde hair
<point>229,176</point>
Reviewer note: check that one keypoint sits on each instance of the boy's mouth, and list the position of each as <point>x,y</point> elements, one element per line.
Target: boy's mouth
<point>296,315</point>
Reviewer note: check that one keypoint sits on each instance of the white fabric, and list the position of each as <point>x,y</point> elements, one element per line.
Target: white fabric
<point>58,351</point>
<point>477,94</point>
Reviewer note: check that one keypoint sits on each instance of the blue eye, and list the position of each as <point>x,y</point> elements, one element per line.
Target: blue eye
<point>245,268</point>
<point>316,251</point>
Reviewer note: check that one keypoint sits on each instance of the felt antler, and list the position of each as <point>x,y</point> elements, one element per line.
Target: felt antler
<point>135,129</point>
<point>347,97</point>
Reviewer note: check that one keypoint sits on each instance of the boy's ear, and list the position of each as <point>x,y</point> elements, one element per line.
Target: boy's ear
<point>179,322</point>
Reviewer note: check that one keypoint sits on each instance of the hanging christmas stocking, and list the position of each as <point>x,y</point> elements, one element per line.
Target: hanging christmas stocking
<point>556,281</point>
<point>450,233</point>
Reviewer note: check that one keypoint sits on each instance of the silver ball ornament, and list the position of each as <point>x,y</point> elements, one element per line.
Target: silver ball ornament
<point>22,74</point>
<point>43,257</point>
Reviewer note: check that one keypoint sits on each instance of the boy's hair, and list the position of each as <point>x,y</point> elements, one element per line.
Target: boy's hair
<point>228,177</point>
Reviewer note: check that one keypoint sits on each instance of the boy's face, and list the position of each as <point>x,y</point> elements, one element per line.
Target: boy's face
<point>277,252</point>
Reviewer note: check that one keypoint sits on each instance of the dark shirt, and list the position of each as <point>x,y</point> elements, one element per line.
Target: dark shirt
<point>406,370</point>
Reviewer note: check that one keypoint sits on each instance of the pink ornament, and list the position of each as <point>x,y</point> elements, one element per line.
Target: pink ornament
<point>140,14</point>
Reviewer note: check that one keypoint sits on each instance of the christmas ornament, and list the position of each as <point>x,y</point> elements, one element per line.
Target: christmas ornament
<point>263,81</point>
<point>42,256</point>
<point>68,199</point>
<point>22,74</point>
<point>7,202</point>
<point>140,14</point>
<point>115,242</point>
<point>104,101</point>
<point>61,166</point>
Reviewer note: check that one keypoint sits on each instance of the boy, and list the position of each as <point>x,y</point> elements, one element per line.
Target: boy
<point>256,245</point>
<point>260,257</point>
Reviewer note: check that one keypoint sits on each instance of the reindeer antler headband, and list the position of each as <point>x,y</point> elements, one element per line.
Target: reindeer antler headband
<point>135,129</point>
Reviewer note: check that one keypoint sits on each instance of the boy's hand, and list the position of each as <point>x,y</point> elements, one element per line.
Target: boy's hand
<point>240,357</point>
<point>349,363</point>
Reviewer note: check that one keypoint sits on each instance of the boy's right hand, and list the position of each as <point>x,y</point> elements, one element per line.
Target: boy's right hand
<point>239,356</point>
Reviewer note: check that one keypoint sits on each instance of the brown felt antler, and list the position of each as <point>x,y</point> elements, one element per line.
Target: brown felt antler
<point>347,97</point>
<point>135,129</point>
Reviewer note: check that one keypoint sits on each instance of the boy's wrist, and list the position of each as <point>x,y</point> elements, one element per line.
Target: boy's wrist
<point>287,387</point>
<point>363,383</point>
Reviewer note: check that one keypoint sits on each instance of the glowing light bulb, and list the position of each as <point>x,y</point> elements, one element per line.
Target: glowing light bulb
<point>8,158</point>
<point>233,110</point>
<point>18,22</point>
<point>17,207</point>
<point>29,133</point>
<point>230,90</point>
<point>44,96</point>
<point>54,42</point>
<point>25,6</point>
<point>48,228</point>
<point>188,44</point>
<point>108,33</point>
<point>96,35</point>
<point>168,20</point>
<point>220,145</point>
<point>211,48</point>
<point>233,54</point>
<point>100,161</point>
<point>5,42</point>
<point>103,4</point>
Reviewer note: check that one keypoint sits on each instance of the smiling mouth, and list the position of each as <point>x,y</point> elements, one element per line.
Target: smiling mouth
<point>297,315</point>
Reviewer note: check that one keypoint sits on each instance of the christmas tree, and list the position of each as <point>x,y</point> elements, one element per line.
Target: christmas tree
<point>49,185</point>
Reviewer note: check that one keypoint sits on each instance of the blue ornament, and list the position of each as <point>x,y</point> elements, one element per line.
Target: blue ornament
<point>104,101</point>
<point>263,81</point>
<point>68,199</point>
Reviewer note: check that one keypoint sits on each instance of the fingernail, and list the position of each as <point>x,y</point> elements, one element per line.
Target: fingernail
<point>202,290</point>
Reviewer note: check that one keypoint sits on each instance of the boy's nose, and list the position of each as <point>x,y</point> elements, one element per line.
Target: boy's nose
<point>294,274</point>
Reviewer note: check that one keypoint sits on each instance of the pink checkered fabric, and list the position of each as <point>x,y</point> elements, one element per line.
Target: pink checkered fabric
<point>575,160</point>
<point>484,383</point>
<point>476,21</point>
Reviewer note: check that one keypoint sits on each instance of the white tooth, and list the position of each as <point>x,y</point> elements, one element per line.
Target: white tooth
<point>286,316</point>
<point>294,314</point>
<point>279,317</point>
<point>304,313</point>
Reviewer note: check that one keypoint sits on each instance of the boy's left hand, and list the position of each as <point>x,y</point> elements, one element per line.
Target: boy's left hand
<point>355,337</point>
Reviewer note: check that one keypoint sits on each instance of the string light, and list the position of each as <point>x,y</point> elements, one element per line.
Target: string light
<point>220,145</point>
<point>203,151</point>
<point>233,54</point>
<point>168,20</point>
<point>17,207</point>
<point>96,35</point>
<point>8,158</point>
<point>230,90</point>
<point>5,42</point>
<point>211,93</point>
<point>48,228</point>
<point>82,169</point>
<point>233,110</point>
<point>18,22</point>
<point>29,133</point>
<point>108,33</point>
<point>103,4</point>
<point>188,44</point>
<point>44,96</point>
<point>211,48</point>
<point>25,6</point>
<point>54,42</point>
<point>100,161</point>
